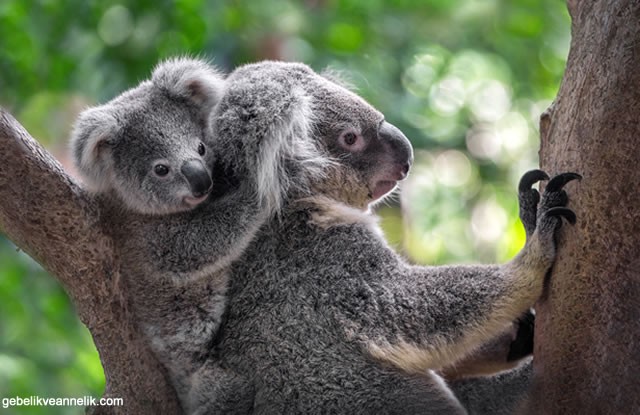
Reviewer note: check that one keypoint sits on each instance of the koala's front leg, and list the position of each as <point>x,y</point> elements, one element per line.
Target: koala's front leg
<point>455,309</point>
<point>528,199</point>
<point>521,345</point>
<point>494,354</point>
<point>528,269</point>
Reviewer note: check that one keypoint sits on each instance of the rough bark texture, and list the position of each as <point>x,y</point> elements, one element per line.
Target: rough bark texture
<point>48,216</point>
<point>587,345</point>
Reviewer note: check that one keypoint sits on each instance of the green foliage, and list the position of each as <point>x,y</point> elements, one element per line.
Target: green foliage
<point>44,350</point>
<point>466,80</point>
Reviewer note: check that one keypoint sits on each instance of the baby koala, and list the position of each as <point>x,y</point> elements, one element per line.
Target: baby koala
<point>149,146</point>
<point>146,155</point>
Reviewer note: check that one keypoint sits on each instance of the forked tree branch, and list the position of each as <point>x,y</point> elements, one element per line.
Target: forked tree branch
<point>52,219</point>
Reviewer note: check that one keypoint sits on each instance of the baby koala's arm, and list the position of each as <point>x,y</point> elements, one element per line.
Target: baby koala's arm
<point>429,317</point>
<point>203,241</point>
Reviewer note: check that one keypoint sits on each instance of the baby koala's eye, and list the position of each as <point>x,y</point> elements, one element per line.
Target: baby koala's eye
<point>201,149</point>
<point>161,170</point>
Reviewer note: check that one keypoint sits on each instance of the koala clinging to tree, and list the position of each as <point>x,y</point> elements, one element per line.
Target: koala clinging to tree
<point>323,317</point>
<point>147,154</point>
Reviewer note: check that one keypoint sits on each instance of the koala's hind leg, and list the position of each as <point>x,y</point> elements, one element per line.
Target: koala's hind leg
<point>522,345</point>
<point>501,394</point>
<point>503,352</point>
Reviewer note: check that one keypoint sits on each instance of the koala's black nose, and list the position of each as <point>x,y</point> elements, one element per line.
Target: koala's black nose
<point>399,145</point>
<point>197,176</point>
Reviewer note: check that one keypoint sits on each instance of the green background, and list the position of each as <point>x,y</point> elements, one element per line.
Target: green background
<point>466,80</point>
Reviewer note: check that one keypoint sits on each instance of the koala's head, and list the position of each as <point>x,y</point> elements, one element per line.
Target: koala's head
<point>151,145</point>
<point>330,141</point>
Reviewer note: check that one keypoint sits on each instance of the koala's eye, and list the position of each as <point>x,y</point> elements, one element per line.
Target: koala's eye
<point>201,149</point>
<point>161,170</point>
<point>350,140</point>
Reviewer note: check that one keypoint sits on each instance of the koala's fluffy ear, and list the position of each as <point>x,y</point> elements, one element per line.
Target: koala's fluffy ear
<point>91,140</point>
<point>269,122</point>
<point>190,79</point>
<point>288,147</point>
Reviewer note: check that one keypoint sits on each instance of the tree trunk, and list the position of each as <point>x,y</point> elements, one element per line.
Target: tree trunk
<point>48,216</point>
<point>587,344</point>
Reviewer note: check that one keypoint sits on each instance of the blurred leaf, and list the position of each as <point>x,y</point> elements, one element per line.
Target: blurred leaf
<point>344,37</point>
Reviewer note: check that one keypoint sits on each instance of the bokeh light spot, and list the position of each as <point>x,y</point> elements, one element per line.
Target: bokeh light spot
<point>116,25</point>
<point>488,221</point>
<point>447,96</point>
<point>452,168</point>
<point>490,100</point>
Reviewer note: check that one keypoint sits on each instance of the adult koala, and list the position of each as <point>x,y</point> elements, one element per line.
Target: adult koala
<point>147,155</point>
<point>323,317</point>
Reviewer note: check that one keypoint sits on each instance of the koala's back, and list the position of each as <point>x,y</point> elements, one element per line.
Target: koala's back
<point>285,332</point>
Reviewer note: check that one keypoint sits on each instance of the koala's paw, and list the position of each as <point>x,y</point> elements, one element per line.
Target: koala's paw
<point>553,203</point>
<point>522,345</point>
<point>528,199</point>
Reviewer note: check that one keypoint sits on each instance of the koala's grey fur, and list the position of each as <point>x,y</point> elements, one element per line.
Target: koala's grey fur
<point>323,317</point>
<point>174,254</point>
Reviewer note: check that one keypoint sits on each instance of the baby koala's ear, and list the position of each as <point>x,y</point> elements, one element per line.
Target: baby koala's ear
<point>191,79</point>
<point>93,136</point>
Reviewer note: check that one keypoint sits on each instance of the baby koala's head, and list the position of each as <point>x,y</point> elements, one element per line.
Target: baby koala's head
<point>150,146</point>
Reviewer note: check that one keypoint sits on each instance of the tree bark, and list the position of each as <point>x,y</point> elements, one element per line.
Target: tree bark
<point>587,341</point>
<point>53,220</point>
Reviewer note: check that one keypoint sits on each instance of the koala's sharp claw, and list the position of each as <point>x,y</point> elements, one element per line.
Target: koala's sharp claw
<point>531,177</point>
<point>564,212</point>
<point>560,180</point>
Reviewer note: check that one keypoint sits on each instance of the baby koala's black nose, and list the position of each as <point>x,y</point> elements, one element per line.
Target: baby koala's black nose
<point>197,176</point>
